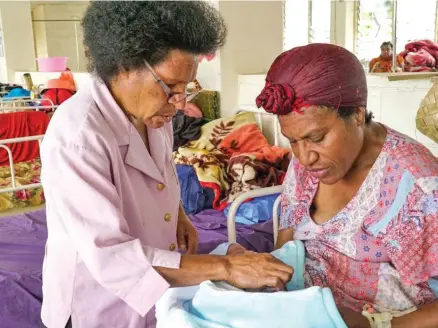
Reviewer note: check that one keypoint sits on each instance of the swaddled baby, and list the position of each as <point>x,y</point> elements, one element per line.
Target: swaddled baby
<point>219,305</point>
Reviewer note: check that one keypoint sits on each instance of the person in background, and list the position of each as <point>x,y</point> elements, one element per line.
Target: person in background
<point>362,197</point>
<point>116,227</point>
<point>383,63</point>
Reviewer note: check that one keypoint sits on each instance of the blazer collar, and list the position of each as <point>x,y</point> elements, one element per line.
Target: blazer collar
<point>150,163</point>
<point>111,111</point>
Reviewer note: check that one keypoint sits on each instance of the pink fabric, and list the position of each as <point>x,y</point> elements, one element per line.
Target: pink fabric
<point>208,57</point>
<point>420,56</point>
<point>315,74</point>
<point>382,247</point>
<point>192,110</point>
<point>105,215</point>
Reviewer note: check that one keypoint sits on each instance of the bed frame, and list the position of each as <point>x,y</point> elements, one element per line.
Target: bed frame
<point>19,104</point>
<point>3,144</point>
<point>9,105</point>
<point>260,117</point>
<point>231,218</point>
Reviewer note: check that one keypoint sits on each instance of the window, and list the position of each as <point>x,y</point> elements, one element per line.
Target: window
<point>410,28</point>
<point>306,22</point>
<point>375,25</point>
<point>319,21</point>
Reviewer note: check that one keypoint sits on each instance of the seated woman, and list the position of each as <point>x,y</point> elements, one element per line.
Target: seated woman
<point>383,63</point>
<point>362,197</point>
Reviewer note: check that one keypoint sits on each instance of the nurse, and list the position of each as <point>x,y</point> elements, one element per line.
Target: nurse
<point>113,210</point>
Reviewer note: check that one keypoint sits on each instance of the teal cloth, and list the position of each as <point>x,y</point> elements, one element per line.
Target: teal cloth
<point>219,305</point>
<point>17,92</point>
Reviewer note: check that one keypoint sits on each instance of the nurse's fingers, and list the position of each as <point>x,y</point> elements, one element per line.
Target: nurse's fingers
<point>281,267</point>
<point>283,276</point>
<point>273,282</point>
<point>192,242</point>
<point>181,238</point>
<point>236,249</point>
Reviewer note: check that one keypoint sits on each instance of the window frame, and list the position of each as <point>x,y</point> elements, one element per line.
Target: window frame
<point>357,21</point>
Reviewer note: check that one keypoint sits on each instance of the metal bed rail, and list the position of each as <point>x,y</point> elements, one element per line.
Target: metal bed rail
<point>231,218</point>
<point>4,144</point>
<point>18,104</point>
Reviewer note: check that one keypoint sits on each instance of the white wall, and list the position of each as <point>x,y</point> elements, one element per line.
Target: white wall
<point>343,24</point>
<point>393,103</point>
<point>296,23</point>
<point>209,72</point>
<point>58,32</point>
<point>17,37</point>
<point>39,33</point>
<point>255,39</point>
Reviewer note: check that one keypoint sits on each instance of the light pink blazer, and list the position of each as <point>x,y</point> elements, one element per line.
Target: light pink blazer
<point>111,213</point>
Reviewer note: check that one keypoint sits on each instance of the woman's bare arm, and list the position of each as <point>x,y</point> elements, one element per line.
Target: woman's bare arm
<point>284,236</point>
<point>425,317</point>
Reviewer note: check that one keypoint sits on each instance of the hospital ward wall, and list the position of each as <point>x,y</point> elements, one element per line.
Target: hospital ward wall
<point>394,103</point>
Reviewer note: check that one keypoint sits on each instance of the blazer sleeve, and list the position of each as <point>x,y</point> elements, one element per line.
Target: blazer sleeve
<point>77,181</point>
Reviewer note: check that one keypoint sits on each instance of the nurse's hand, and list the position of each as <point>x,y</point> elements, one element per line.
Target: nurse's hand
<point>236,249</point>
<point>255,270</point>
<point>186,235</point>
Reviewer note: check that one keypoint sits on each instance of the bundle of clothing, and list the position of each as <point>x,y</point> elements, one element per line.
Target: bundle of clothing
<point>187,125</point>
<point>420,56</point>
<point>231,157</point>
<point>8,87</point>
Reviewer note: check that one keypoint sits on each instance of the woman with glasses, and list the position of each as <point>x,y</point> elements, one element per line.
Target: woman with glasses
<point>118,235</point>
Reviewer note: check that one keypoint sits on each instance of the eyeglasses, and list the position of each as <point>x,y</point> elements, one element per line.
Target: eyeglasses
<point>176,97</point>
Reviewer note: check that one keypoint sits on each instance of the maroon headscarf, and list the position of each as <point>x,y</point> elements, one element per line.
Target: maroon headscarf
<point>316,74</point>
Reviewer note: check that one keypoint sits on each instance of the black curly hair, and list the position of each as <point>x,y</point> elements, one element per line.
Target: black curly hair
<point>120,35</point>
<point>387,44</point>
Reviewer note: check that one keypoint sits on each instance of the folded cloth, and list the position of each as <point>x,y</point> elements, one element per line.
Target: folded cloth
<point>256,210</point>
<point>420,56</point>
<point>219,305</point>
<point>185,129</point>
<point>212,231</point>
<point>194,197</point>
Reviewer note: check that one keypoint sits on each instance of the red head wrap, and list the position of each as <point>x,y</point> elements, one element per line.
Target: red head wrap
<point>316,74</point>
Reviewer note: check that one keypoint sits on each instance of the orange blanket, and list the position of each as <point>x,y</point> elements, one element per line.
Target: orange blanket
<point>232,156</point>
<point>22,124</point>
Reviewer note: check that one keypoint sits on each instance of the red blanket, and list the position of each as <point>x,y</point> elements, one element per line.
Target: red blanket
<point>22,124</point>
<point>420,56</point>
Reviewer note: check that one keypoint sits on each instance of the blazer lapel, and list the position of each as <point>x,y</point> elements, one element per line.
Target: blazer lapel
<point>158,147</point>
<point>137,154</point>
<point>139,158</point>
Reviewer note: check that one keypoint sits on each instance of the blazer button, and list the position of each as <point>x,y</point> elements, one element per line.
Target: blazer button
<point>167,217</point>
<point>160,186</point>
<point>172,247</point>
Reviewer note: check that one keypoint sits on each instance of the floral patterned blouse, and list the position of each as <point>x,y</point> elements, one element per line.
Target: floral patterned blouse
<point>382,248</point>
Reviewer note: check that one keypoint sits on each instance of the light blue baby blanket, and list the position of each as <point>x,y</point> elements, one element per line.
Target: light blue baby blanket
<point>219,305</point>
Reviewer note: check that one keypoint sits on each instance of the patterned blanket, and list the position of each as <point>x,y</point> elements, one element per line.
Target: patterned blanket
<point>25,173</point>
<point>232,156</point>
